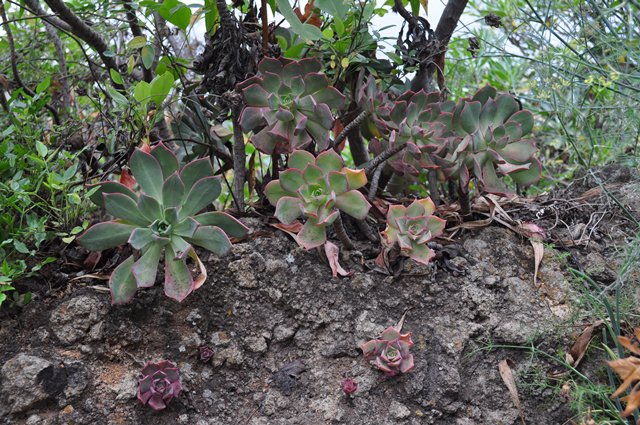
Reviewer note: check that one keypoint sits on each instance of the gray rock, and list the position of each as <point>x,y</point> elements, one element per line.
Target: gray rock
<point>78,318</point>
<point>23,385</point>
<point>256,344</point>
<point>283,332</point>
<point>399,410</point>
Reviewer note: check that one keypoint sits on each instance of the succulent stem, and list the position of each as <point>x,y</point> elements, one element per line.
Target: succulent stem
<point>239,155</point>
<point>352,125</point>
<point>373,164</point>
<point>433,186</point>
<point>375,180</point>
<point>465,207</point>
<point>342,234</point>
<point>366,230</point>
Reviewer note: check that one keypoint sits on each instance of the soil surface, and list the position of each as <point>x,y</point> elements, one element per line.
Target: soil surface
<point>285,333</point>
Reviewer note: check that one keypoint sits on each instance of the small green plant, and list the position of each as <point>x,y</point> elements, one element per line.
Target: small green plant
<point>318,188</point>
<point>162,217</point>
<point>160,383</point>
<point>390,353</point>
<point>410,228</point>
<point>288,105</point>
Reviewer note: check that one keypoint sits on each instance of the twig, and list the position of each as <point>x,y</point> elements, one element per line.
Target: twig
<point>265,28</point>
<point>342,234</point>
<point>62,62</point>
<point>366,230</point>
<point>39,12</point>
<point>137,32</point>
<point>373,164</point>
<point>351,126</point>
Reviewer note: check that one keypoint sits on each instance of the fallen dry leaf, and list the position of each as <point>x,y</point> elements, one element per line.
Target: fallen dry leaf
<point>332,251</point>
<point>628,369</point>
<point>510,382</point>
<point>291,229</point>
<point>579,347</point>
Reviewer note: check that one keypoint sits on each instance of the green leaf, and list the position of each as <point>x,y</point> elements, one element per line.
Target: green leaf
<point>160,87</point>
<point>137,42</point>
<point>210,15</point>
<point>140,237</point>
<point>274,191</point>
<point>338,24</point>
<point>194,171</point>
<point>335,8</point>
<point>122,283</point>
<point>415,7</point>
<point>186,228</point>
<point>43,85</point>
<point>108,53</point>
<point>211,238</point>
<point>146,268</point>
<point>20,247</point>
<point>122,206</point>
<point>311,235</point>
<point>176,12</point>
<point>117,97</point>
<point>115,76</point>
<point>166,158</point>
<point>230,225</point>
<point>202,194</point>
<point>149,208</point>
<point>172,191</point>
<point>147,54</point>
<point>306,31</point>
<point>105,235</point>
<point>142,92</point>
<point>42,149</point>
<point>178,282</point>
<point>288,209</point>
<point>353,203</point>
<point>148,173</point>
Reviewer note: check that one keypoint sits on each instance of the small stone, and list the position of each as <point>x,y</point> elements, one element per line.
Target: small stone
<point>399,411</point>
<point>22,382</point>
<point>78,318</point>
<point>127,388</point>
<point>220,338</point>
<point>256,344</point>
<point>283,332</point>
<point>68,409</point>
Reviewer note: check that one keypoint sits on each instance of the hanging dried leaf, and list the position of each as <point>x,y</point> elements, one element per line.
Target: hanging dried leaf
<point>510,382</point>
<point>309,16</point>
<point>332,251</point>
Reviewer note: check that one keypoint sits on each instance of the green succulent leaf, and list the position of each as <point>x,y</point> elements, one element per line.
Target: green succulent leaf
<point>530,176</point>
<point>195,171</point>
<point>353,203</point>
<point>273,191</point>
<point>300,159</point>
<point>140,237</point>
<point>123,207</point>
<point>291,180</point>
<point>167,159</point>
<point>122,283</point>
<point>105,235</point>
<point>179,246</point>
<point>355,178</point>
<point>202,194</point>
<point>329,161</point>
<point>178,282</point>
<point>146,268</point>
<point>186,228</point>
<point>311,235</point>
<point>422,254</point>
<point>230,225</point>
<point>148,173</point>
<point>288,209</point>
<point>109,187</point>
<point>149,208</point>
<point>470,117</point>
<point>173,191</point>
<point>213,239</point>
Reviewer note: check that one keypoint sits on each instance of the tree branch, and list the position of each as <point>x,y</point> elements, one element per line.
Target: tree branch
<point>83,31</point>
<point>62,62</point>
<point>137,32</point>
<point>37,10</point>
<point>351,126</point>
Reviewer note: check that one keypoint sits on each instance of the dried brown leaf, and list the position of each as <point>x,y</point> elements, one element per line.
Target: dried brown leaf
<point>579,347</point>
<point>628,369</point>
<point>510,382</point>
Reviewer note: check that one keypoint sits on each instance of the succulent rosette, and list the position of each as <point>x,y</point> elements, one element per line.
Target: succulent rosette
<point>288,105</point>
<point>421,122</point>
<point>490,128</point>
<point>318,188</point>
<point>159,385</point>
<point>390,353</point>
<point>162,217</point>
<point>412,227</point>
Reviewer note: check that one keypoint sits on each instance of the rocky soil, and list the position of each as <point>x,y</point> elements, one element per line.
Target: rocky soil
<point>284,333</point>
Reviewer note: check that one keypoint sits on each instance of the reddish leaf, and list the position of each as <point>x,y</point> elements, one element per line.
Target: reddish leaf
<point>126,179</point>
<point>332,251</point>
<point>309,16</point>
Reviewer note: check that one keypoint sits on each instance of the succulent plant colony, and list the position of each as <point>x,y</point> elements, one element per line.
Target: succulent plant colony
<point>289,109</point>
